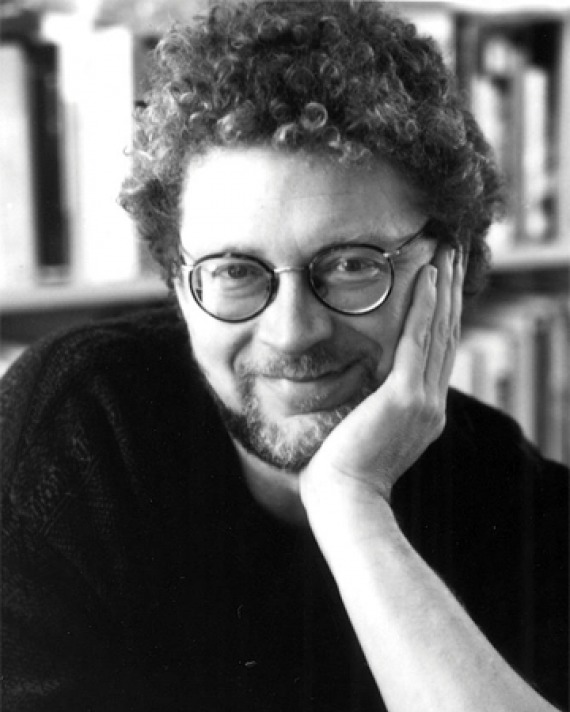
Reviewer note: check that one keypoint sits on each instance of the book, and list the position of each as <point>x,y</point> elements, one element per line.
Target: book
<point>556,430</point>
<point>17,202</point>
<point>493,109</point>
<point>538,331</point>
<point>562,133</point>
<point>504,62</point>
<point>509,76</point>
<point>535,180</point>
<point>487,353</point>
<point>552,331</point>
<point>52,228</point>
<point>95,83</point>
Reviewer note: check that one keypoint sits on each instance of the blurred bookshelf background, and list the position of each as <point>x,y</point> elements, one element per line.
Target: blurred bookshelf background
<point>70,74</point>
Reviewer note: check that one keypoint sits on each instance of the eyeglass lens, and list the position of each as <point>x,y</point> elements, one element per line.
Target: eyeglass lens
<point>351,280</point>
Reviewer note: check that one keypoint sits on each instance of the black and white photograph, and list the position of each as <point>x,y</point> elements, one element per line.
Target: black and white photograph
<point>284,355</point>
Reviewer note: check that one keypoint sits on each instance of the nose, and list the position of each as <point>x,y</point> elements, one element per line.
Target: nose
<point>295,320</point>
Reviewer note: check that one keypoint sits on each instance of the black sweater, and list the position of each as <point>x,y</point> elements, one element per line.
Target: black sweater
<point>139,574</point>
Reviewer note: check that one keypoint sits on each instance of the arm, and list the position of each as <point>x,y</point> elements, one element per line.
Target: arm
<point>422,648</point>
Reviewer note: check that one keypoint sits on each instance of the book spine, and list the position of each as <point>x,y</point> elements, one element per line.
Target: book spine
<point>514,356</point>
<point>563,134</point>
<point>17,201</point>
<point>96,86</point>
<point>509,76</point>
<point>52,253</point>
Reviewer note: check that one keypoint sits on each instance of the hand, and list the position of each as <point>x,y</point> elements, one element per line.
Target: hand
<point>390,429</point>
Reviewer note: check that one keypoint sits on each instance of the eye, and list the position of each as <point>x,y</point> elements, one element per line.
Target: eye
<point>357,265</point>
<point>237,272</point>
<point>233,271</point>
<point>351,268</point>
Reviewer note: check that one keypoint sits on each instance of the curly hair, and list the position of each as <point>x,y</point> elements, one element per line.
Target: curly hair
<point>347,79</point>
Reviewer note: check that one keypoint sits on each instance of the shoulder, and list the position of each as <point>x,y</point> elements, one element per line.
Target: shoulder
<point>64,355</point>
<point>475,429</point>
<point>478,420</point>
<point>483,474</point>
<point>487,470</point>
<point>94,399</point>
<point>70,360</point>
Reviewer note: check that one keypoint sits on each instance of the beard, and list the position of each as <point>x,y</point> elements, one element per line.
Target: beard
<point>290,443</point>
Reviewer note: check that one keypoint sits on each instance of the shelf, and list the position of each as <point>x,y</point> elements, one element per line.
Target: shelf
<point>509,7</point>
<point>532,257</point>
<point>45,297</point>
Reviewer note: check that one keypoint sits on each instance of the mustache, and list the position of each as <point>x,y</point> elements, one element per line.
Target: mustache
<point>317,362</point>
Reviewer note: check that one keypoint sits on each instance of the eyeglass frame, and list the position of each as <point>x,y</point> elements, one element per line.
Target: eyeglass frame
<point>275,272</point>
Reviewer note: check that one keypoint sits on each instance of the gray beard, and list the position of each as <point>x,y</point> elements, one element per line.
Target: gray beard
<point>268,441</point>
<point>265,439</point>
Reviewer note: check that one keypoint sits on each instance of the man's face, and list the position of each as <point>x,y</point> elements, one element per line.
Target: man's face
<point>286,377</point>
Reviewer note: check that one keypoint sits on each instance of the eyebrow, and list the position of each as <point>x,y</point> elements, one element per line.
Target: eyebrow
<point>378,239</point>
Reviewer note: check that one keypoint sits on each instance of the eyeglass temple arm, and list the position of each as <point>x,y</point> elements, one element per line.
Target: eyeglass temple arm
<point>187,261</point>
<point>408,241</point>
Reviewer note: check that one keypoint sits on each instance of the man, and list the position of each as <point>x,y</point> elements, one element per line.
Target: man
<point>287,510</point>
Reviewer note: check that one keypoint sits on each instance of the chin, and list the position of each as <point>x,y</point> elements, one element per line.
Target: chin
<point>288,444</point>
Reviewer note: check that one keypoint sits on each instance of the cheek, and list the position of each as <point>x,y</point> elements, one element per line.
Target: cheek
<point>215,352</point>
<point>383,328</point>
<point>215,346</point>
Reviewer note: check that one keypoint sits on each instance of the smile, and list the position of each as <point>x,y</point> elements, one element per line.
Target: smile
<point>301,394</point>
<point>305,378</point>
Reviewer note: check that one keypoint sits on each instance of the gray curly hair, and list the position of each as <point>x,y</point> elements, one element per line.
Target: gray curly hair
<point>347,79</point>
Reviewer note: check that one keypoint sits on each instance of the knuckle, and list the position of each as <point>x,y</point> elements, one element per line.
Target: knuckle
<point>443,331</point>
<point>422,335</point>
<point>425,345</point>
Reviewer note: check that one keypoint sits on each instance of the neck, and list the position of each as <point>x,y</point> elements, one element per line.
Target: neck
<point>276,490</point>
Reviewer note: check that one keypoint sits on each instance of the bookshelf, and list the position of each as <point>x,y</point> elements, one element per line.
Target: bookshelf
<point>69,264</point>
<point>531,257</point>
<point>515,67</point>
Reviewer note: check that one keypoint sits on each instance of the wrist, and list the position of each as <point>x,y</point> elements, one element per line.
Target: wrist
<point>347,510</point>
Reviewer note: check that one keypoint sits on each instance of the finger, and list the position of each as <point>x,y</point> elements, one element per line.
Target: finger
<point>454,319</point>
<point>414,344</point>
<point>440,330</point>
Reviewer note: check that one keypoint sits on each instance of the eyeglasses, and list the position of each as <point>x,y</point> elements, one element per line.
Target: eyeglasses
<point>351,279</point>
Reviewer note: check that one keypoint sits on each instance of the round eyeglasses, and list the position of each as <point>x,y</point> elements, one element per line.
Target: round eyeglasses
<point>351,279</point>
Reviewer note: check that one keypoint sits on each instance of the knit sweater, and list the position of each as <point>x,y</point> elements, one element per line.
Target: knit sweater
<point>140,574</point>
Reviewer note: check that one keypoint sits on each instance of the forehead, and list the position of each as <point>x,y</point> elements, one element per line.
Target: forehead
<point>260,199</point>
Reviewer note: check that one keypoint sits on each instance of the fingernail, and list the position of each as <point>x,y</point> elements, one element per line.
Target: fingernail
<point>433,274</point>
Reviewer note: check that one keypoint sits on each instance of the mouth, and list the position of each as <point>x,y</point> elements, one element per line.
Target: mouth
<point>304,377</point>
<point>296,393</point>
